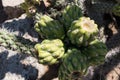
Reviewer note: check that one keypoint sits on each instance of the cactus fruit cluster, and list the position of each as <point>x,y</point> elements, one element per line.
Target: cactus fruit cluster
<point>82,31</point>
<point>84,48</point>
<point>49,28</point>
<point>17,43</point>
<point>50,51</point>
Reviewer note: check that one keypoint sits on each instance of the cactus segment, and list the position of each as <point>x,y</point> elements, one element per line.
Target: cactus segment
<point>50,51</point>
<point>82,31</point>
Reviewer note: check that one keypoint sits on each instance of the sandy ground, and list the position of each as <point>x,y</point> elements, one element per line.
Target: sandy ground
<point>12,2</point>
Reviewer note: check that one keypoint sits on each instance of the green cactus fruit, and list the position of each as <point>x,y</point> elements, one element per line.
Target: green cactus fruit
<point>16,43</point>
<point>82,31</point>
<point>95,52</point>
<point>74,65</point>
<point>70,13</point>
<point>49,28</point>
<point>50,51</point>
<point>116,10</point>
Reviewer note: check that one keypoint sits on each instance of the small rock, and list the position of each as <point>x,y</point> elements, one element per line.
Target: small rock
<point>12,2</point>
<point>114,74</point>
<point>13,12</point>
<point>10,9</point>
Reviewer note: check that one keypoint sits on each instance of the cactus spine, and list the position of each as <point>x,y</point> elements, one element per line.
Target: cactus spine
<point>16,43</point>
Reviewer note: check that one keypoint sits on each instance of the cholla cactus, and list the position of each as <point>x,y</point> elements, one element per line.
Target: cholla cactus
<point>16,43</point>
<point>49,28</point>
<point>82,31</point>
<point>70,13</point>
<point>74,65</point>
<point>116,10</point>
<point>50,51</point>
<point>95,52</point>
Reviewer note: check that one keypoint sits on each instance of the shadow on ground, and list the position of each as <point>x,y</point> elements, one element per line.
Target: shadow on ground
<point>12,64</point>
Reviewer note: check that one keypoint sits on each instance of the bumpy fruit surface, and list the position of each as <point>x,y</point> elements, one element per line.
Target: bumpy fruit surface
<point>116,9</point>
<point>71,12</point>
<point>95,52</point>
<point>49,28</point>
<point>82,31</point>
<point>16,43</point>
<point>50,51</point>
<point>74,65</point>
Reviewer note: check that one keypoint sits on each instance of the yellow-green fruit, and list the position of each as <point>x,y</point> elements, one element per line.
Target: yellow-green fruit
<point>50,51</point>
<point>74,65</point>
<point>70,13</point>
<point>49,28</point>
<point>95,52</point>
<point>82,31</point>
<point>116,10</point>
